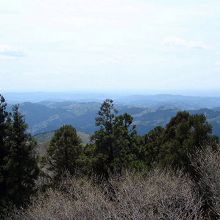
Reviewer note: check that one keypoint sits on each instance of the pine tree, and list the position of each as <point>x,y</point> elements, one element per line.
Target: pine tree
<point>64,152</point>
<point>150,149</point>
<point>183,136</point>
<point>18,162</point>
<point>115,140</point>
<point>3,123</point>
<point>171,146</point>
<point>4,116</point>
<point>124,143</point>
<point>21,167</point>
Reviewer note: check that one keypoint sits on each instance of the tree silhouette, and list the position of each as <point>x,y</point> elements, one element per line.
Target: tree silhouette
<point>64,151</point>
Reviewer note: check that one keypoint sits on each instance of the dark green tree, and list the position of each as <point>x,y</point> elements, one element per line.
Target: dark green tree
<point>183,136</point>
<point>21,161</point>
<point>124,143</point>
<point>64,152</point>
<point>3,125</point>
<point>173,145</point>
<point>103,138</point>
<point>115,140</point>
<point>4,118</point>
<point>18,161</point>
<point>150,147</point>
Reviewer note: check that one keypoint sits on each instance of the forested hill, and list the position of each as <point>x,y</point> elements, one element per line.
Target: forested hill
<point>48,116</point>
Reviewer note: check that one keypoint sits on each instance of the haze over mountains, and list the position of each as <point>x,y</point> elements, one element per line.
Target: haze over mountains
<point>158,100</point>
<point>46,112</point>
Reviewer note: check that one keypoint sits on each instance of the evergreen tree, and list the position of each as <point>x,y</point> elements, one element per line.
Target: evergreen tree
<point>18,162</point>
<point>124,143</point>
<point>64,152</point>
<point>150,149</point>
<point>171,146</point>
<point>183,136</point>
<point>103,138</point>
<point>21,167</point>
<point>115,140</point>
<point>4,116</point>
<point>3,124</point>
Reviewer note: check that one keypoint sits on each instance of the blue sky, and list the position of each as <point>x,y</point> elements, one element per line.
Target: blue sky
<point>109,45</point>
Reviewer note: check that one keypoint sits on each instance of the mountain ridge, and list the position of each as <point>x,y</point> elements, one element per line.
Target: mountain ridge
<point>48,116</point>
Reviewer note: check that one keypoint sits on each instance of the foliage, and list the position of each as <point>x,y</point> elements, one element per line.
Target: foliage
<point>21,166</point>
<point>3,154</point>
<point>18,166</point>
<point>115,140</point>
<point>63,152</point>
<point>181,137</point>
<point>150,147</point>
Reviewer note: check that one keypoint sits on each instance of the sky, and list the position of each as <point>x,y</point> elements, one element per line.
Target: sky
<point>110,45</point>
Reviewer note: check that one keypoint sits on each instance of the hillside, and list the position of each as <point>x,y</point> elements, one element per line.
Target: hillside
<point>43,140</point>
<point>48,116</point>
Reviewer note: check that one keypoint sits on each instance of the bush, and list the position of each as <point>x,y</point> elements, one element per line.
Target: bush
<point>158,195</point>
<point>206,164</point>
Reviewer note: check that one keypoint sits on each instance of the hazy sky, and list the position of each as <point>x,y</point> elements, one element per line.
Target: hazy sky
<point>129,45</point>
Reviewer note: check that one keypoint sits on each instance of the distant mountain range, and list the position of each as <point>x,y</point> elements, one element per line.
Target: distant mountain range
<point>47,116</point>
<point>150,101</point>
<point>45,112</point>
<point>171,101</point>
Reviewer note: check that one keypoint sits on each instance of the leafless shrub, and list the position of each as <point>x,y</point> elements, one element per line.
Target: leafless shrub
<point>76,199</point>
<point>159,195</point>
<point>207,165</point>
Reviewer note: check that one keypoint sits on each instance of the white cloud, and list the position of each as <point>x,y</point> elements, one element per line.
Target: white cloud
<point>9,51</point>
<point>181,42</point>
